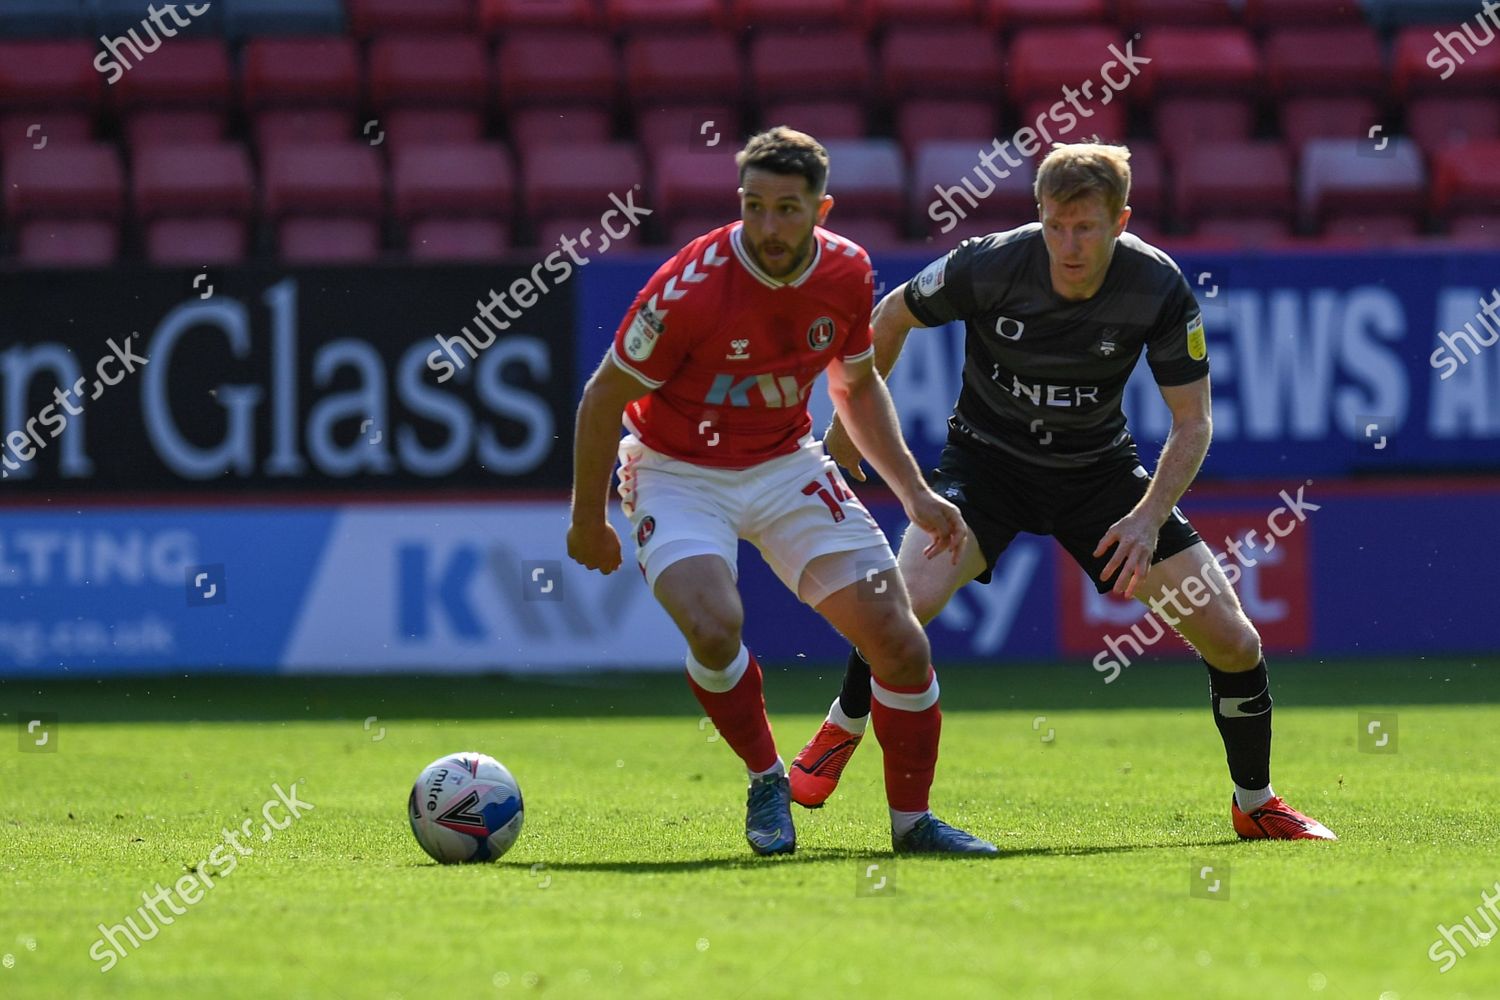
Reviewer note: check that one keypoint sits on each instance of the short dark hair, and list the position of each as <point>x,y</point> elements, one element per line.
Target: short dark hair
<point>783,150</point>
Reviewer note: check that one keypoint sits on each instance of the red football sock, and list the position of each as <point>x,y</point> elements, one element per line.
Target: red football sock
<point>740,716</point>
<point>908,723</point>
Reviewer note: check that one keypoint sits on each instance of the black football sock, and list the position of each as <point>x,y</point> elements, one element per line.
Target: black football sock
<point>1242,711</point>
<point>854,699</point>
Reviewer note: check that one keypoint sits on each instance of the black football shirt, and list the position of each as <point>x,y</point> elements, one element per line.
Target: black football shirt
<point>1044,376</point>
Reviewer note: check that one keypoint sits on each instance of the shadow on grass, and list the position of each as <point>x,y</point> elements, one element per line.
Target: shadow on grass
<point>839,855</point>
<point>802,688</point>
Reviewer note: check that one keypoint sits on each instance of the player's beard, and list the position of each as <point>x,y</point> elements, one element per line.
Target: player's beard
<point>798,256</point>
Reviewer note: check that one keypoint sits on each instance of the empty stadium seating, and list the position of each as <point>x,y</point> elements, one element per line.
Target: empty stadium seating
<point>327,129</point>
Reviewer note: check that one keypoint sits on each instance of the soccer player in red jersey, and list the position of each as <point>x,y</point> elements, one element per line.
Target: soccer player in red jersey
<point>710,372</point>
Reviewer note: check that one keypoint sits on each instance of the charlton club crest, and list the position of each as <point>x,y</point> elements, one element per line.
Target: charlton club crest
<point>645,531</point>
<point>1108,344</point>
<point>820,334</point>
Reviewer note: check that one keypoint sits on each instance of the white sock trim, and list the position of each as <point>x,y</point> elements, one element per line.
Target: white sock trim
<point>904,701</point>
<point>778,768</point>
<point>902,822</point>
<point>838,717</point>
<point>719,681</point>
<point>1251,799</point>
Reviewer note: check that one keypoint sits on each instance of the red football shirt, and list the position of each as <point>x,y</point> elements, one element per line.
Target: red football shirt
<point>731,353</point>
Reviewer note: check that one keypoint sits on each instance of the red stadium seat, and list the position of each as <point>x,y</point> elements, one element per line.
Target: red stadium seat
<point>196,242</point>
<point>406,127</point>
<point>559,125</point>
<point>1200,62</point>
<point>702,128</point>
<point>948,179</point>
<point>1438,122</point>
<point>310,127</point>
<point>1339,179</point>
<point>941,62</point>
<point>37,130</point>
<point>503,15</point>
<point>1476,230</point>
<point>1234,180</point>
<point>474,181</point>
<point>1008,14</point>
<point>1350,118</point>
<point>566,180</point>
<point>300,71</point>
<point>812,65</point>
<point>688,228</point>
<point>655,15</point>
<point>1148,184</point>
<point>187,73</point>
<point>68,243</point>
<point>1107,121</point>
<point>457,240</point>
<point>822,120</point>
<point>52,75</point>
<point>205,180</point>
<point>1275,13</point>
<point>920,120</point>
<point>1244,233</point>
<point>584,232</point>
<point>325,180</point>
<point>1140,13</point>
<point>869,232</point>
<point>1184,122</point>
<point>69,182</point>
<point>155,128</point>
<point>449,70</point>
<point>702,66</point>
<point>867,177</point>
<point>692,184</point>
<point>557,67</point>
<point>1466,178</point>
<point>372,17</point>
<point>1325,62</point>
<point>1371,230</point>
<point>1477,76</point>
<point>1045,60</point>
<point>903,12</point>
<point>323,240</point>
<point>760,13</point>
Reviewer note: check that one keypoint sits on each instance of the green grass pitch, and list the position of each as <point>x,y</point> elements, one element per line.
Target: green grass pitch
<point>632,877</point>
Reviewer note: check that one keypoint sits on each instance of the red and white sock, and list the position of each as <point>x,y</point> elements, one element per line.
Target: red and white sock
<point>908,724</point>
<point>733,699</point>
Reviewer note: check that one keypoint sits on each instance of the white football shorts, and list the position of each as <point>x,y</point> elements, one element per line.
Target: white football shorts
<point>794,509</point>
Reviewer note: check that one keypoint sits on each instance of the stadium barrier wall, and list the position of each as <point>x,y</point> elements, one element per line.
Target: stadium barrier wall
<point>1375,570</point>
<point>246,519</point>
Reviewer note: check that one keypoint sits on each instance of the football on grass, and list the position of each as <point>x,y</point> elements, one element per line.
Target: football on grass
<point>465,807</point>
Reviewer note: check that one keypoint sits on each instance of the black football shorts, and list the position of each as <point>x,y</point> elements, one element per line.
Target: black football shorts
<point>1000,497</point>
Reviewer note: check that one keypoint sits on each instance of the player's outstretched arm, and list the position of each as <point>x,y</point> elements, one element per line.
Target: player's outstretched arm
<point>592,540</point>
<point>1134,535</point>
<point>890,323</point>
<point>864,404</point>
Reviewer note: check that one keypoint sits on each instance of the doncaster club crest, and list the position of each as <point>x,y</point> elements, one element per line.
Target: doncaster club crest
<point>820,334</point>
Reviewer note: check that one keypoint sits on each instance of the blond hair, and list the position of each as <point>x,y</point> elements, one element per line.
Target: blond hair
<point>1079,169</point>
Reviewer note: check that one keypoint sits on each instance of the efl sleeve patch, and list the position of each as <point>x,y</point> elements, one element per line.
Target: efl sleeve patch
<point>933,277</point>
<point>1197,344</point>
<point>645,330</point>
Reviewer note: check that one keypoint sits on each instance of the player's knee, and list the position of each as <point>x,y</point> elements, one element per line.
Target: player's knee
<point>1238,649</point>
<point>714,637</point>
<point>902,656</point>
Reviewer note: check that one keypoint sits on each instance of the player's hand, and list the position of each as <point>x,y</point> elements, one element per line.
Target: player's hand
<point>842,450</point>
<point>1134,539</point>
<point>941,520</point>
<point>596,545</point>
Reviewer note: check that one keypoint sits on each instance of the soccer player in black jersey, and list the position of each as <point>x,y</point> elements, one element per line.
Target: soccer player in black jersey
<point>1056,316</point>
